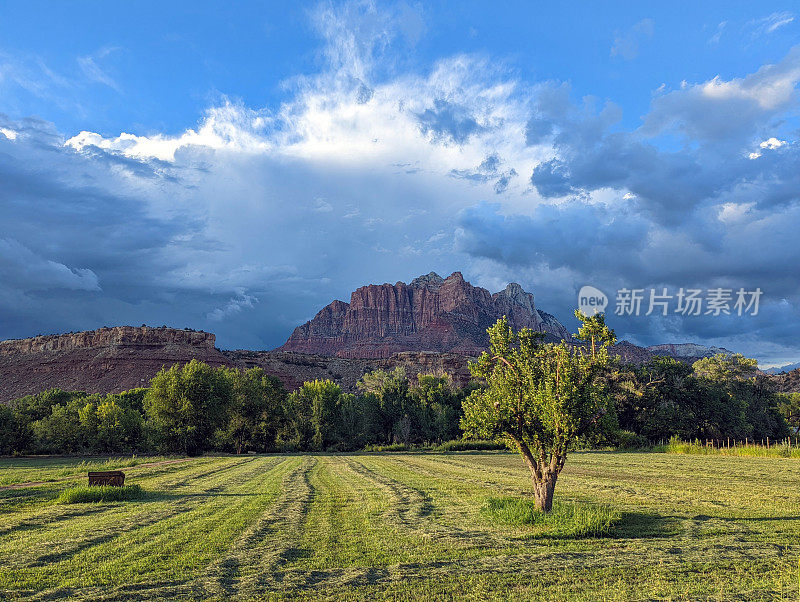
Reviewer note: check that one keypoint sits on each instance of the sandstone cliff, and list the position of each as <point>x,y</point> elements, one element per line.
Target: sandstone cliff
<point>444,315</point>
<point>107,360</point>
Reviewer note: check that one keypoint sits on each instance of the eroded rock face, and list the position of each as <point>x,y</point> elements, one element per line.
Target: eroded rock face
<point>108,337</point>
<point>445,315</point>
<point>108,360</point>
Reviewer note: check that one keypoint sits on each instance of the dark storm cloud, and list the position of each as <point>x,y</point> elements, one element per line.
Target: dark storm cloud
<point>77,226</point>
<point>704,194</point>
<point>537,130</point>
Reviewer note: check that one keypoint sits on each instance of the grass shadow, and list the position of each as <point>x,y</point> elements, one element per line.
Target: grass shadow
<point>645,525</point>
<point>292,554</point>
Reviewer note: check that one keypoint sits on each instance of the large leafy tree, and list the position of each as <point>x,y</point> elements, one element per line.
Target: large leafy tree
<point>315,414</point>
<point>789,406</point>
<point>257,412</point>
<point>186,404</point>
<point>541,398</point>
<point>394,408</point>
<point>737,401</point>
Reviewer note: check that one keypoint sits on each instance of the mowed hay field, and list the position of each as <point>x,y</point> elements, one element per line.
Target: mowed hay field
<point>403,526</point>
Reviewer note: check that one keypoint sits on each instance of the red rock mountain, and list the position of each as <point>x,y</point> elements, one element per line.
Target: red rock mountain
<point>431,314</point>
<point>99,361</point>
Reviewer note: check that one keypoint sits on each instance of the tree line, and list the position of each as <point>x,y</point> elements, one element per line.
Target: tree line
<point>194,408</point>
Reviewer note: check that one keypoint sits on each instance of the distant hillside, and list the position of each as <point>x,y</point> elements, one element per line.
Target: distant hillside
<point>99,361</point>
<point>788,382</point>
<point>782,369</point>
<point>687,350</point>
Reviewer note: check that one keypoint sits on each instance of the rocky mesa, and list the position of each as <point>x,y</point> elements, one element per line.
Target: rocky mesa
<point>431,314</point>
<point>99,361</point>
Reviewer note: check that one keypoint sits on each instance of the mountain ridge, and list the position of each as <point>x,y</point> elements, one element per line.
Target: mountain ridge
<point>435,314</point>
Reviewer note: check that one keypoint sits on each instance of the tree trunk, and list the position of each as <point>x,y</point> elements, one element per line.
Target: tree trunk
<point>544,477</point>
<point>543,491</point>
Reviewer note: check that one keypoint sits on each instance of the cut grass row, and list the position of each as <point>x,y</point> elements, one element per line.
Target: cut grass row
<point>44,469</point>
<point>413,526</point>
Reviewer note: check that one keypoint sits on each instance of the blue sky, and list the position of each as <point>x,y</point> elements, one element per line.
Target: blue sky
<point>236,167</point>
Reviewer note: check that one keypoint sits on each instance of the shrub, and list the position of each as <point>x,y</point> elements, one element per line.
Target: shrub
<point>394,447</point>
<point>469,445</point>
<point>565,520</point>
<point>696,447</point>
<point>100,493</point>
<point>623,439</point>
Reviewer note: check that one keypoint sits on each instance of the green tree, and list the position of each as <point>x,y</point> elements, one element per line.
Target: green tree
<point>109,427</point>
<point>133,399</point>
<point>789,407</point>
<point>186,404</point>
<point>539,397</point>
<point>438,407</point>
<point>392,419</point>
<point>35,407</point>
<point>257,412</point>
<point>736,400</point>
<point>314,414</point>
<point>594,331</point>
<point>9,432</point>
<point>60,432</point>
<point>658,399</point>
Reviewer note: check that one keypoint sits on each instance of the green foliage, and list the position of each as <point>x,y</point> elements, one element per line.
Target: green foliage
<point>594,331</point>
<point>36,407</point>
<point>392,447</point>
<point>99,493</point>
<point>469,445</point>
<point>132,399</point>
<point>315,411</point>
<point>622,439</point>
<point>60,431</point>
<point>725,368</point>
<point>109,427</point>
<point>186,404</point>
<point>777,449</point>
<point>565,521</point>
<point>196,408</point>
<point>389,396</point>
<point>717,397</point>
<point>789,407</point>
<point>10,435</point>
<point>541,397</point>
<point>257,413</point>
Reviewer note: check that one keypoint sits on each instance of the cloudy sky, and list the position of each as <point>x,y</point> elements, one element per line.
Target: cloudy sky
<point>235,170</point>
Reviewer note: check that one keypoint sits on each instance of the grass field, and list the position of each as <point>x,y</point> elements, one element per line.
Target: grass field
<point>404,526</point>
